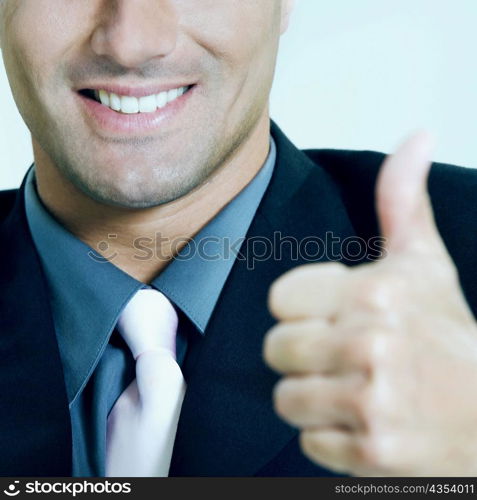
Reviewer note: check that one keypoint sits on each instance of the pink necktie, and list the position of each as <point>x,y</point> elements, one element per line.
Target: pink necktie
<point>142,425</point>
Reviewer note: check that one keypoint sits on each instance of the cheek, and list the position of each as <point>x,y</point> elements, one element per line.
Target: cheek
<point>38,35</point>
<point>37,39</point>
<point>234,32</point>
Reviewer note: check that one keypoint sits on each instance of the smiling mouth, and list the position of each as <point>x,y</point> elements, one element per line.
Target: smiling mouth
<point>135,105</point>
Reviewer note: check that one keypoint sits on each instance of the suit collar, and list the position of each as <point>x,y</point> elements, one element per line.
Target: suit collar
<point>30,361</point>
<point>227,425</point>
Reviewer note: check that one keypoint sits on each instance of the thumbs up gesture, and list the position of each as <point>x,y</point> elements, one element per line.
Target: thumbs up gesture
<point>380,360</point>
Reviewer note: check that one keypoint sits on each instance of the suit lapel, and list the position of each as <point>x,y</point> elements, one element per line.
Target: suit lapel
<point>228,426</point>
<point>35,433</point>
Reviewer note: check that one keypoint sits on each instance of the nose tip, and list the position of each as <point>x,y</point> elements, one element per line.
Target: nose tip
<point>129,51</point>
<point>135,32</point>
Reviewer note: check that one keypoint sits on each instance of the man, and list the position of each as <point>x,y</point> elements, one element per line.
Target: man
<point>151,135</point>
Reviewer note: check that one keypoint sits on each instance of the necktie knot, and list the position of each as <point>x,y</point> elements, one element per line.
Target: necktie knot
<point>149,323</point>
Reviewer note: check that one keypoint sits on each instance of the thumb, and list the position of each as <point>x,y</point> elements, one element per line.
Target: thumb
<point>403,204</point>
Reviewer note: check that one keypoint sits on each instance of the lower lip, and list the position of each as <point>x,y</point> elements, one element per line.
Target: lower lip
<point>132,124</point>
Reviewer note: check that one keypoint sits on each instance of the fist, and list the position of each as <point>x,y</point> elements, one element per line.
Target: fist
<point>379,361</point>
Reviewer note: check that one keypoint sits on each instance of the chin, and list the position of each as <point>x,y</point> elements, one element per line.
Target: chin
<point>128,185</point>
<point>130,196</point>
<point>124,198</point>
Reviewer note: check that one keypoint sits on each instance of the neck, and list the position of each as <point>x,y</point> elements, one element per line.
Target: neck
<point>131,235</point>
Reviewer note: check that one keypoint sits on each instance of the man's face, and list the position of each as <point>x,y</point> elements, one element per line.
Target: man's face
<point>60,53</point>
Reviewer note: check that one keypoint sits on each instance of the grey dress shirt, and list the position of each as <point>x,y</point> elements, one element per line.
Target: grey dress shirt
<point>88,293</point>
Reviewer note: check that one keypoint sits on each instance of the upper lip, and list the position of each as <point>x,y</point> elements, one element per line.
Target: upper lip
<point>134,91</point>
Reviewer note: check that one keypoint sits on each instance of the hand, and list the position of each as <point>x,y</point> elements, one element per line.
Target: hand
<point>380,360</point>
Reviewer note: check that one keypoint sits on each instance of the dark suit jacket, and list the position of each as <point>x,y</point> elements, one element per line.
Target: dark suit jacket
<point>227,425</point>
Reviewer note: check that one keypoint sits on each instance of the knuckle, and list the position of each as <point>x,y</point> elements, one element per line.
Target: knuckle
<point>310,443</point>
<point>358,407</point>
<point>369,350</point>
<point>378,347</point>
<point>330,267</point>
<point>373,348</point>
<point>277,296</point>
<point>283,347</point>
<point>447,272</point>
<point>289,398</point>
<point>287,285</point>
<point>296,354</point>
<point>280,398</point>
<point>379,292</point>
<point>295,347</point>
<point>303,402</point>
<point>292,294</point>
<point>272,345</point>
<point>365,405</point>
<point>322,450</point>
<point>292,346</point>
<point>375,452</point>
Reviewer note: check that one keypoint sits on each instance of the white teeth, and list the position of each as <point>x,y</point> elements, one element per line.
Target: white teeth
<point>147,104</point>
<point>104,97</point>
<point>115,102</point>
<point>172,95</point>
<point>161,99</point>
<point>133,105</point>
<point>129,105</point>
